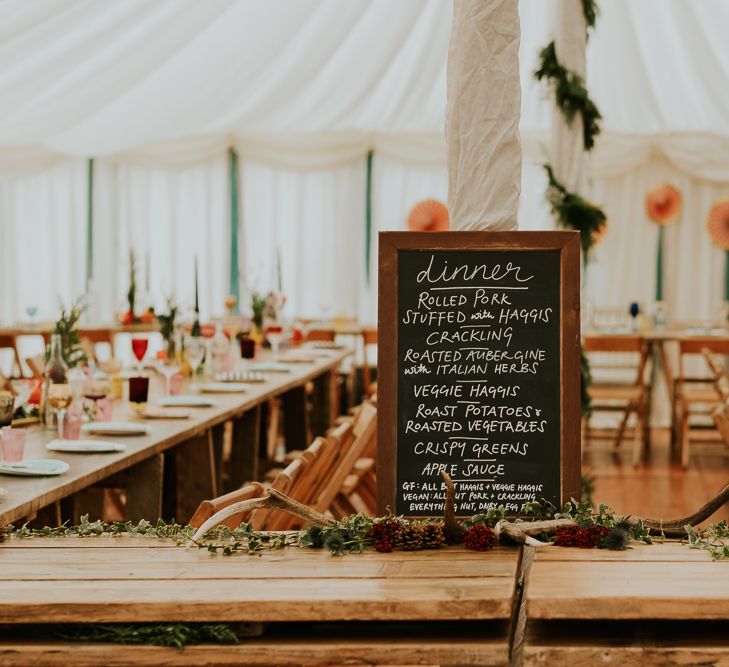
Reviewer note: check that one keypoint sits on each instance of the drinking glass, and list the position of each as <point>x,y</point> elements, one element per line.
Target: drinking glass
<point>7,408</point>
<point>12,442</point>
<point>96,391</point>
<point>59,398</point>
<point>168,368</point>
<point>274,334</point>
<point>195,346</point>
<point>139,347</point>
<point>138,390</point>
<point>72,424</point>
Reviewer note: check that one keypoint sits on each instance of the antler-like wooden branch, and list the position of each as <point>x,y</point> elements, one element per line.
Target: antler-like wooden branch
<point>274,500</point>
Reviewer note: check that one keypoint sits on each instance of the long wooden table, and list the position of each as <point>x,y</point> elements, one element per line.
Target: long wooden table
<point>650,605</point>
<point>190,444</point>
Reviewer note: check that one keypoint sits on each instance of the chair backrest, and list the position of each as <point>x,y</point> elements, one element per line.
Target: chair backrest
<point>284,482</point>
<point>9,341</point>
<point>718,370</point>
<point>351,449</point>
<point>696,346</point>
<point>321,335</point>
<point>722,421</point>
<point>37,365</point>
<point>207,508</point>
<point>616,343</point>
<point>315,464</point>
<point>618,352</point>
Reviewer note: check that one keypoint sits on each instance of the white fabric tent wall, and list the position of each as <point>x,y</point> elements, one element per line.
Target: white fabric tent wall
<point>169,216</point>
<point>303,90</point>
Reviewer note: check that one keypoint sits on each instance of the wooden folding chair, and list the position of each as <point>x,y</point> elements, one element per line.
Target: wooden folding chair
<point>321,335</point>
<point>90,338</point>
<point>351,450</point>
<point>37,365</point>
<point>721,380</point>
<point>207,508</point>
<point>627,397</point>
<point>696,396</point>
<point>9,341</point>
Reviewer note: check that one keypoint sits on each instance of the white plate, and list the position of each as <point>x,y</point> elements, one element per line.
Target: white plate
<point>34,468</point>
<point>116,428</point>
<point>84,446</point>
<point>298,359</point>
<point>222,388</point>
<point>166,413</point>
<point>271,367</point>
<point>243,376</point>
<point>186,402</point>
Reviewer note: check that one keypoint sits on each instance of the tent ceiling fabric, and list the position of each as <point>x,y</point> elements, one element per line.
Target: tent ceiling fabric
<point>175,79</point>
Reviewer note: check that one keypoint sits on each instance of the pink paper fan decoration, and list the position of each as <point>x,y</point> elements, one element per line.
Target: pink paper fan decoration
<point>663,204</point>
<point>718,223</point>
<point>429,215</point>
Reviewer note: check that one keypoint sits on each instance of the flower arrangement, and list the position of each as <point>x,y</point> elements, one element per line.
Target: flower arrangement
<point>167,326</point>
<point>266,307</point>
<point>67,327</point>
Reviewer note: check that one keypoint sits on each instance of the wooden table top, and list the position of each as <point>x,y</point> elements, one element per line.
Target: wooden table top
<point>673,333</point>
<point>124,579</point>
<point>666,581</point>
<point>26,495</point>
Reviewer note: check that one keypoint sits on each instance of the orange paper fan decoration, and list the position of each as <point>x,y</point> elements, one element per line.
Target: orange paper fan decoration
<point>598,236</point>
<point>663,204</point>
<point>718,223</point>
<point>429,215</point>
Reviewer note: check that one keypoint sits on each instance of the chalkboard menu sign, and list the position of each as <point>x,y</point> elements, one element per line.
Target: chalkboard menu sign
<point>478,369</point>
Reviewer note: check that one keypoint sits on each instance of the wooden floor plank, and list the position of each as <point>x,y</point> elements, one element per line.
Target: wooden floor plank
<point>54,564</point>
<point>268,600</point>
<point>659,487</point>
<point>336,651</point>
<point>623,587</point>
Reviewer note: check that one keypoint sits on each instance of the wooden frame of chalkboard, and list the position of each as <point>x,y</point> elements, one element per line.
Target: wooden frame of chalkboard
<point>554,254</point>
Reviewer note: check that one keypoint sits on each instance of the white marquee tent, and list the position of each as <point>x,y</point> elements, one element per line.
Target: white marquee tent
<point>157,92</point>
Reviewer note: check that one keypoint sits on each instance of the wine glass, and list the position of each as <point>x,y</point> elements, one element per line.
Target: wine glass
<point>195,346</point>
<point>274,333</point>
<point>139,347</point>
<point>94,391</point>
<point>167,367</point>
<point>59,398</point>
<point>31,311</point>
<point>230,302</point>
<point>634,311</point>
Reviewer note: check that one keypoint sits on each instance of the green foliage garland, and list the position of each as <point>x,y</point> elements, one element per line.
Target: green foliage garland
<point>590,10</point>
<point>66,327</point>
<point>570,94</point>
<point>176,635</point>
<point>574,212</point>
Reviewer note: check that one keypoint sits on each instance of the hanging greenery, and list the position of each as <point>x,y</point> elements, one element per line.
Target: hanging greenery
<point>570,94</point>
<point>590,10</point>
<point>574,212</point>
